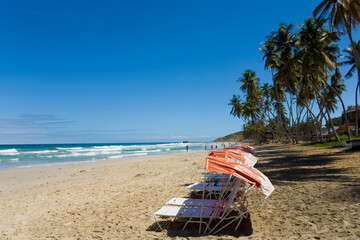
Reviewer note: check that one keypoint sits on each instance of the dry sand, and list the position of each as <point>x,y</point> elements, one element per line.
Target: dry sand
<point>317,196</point>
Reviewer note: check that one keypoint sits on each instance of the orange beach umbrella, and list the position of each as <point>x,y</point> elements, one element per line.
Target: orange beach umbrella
<point>225,164</point>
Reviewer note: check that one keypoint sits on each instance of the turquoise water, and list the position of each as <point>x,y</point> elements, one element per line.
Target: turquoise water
<point>24,156</point>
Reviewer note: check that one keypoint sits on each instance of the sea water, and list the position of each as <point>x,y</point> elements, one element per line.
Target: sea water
<point>25,156</point>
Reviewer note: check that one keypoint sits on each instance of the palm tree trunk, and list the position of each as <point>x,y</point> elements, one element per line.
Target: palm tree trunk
<point>307,107</point>
<point>356,111</point>
<point>278,101</point>
<point>326,110</point>
<point>357,63</point>
<point>343,106</point>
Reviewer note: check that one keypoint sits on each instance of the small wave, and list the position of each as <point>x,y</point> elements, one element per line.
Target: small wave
<point>148,151</point>
<point>41,152</point>
<point>77,154</point>
<point>109,147</point>
<point>128,155</point>
<point>14,159</point>
<point>9,152</point>
<point>73,148</point>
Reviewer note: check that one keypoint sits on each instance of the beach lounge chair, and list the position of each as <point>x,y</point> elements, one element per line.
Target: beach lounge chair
<point>191,212</point>
<point>197,202</point>
<point>215,177</point>
<point>211,187</point>
<point>188,210</point>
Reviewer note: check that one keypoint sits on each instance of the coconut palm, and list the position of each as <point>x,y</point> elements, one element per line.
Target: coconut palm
<point>236,109</point>
<point>269,51</point>
<point>342,14</point>
<point>350,60</point>
<point>319,56</point>
<point>250,84</point>
<point>330,103</point>
<point>338,85</point>
<point>251,110</point>
<point>288,67</point>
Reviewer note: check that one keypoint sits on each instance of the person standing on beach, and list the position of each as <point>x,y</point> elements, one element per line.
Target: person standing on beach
<point>187,148</point>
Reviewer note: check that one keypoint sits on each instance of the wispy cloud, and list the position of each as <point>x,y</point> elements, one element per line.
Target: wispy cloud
<point>44,128</point>
<point>177,137</point>
<point>32,124</point>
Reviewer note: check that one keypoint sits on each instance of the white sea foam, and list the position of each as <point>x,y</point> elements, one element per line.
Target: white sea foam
<point>148,151</point>
<point>9,152</point>
<point>128,155</point>
<point>110,148</point>
<point>73,155</point>
<point>41,152</point>
<point>74,148</point>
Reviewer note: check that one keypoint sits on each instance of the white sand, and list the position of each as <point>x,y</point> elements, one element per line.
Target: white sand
<point>317,196</point>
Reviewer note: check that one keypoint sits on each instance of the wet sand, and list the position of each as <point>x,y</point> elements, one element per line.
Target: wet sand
<point>317,196</point>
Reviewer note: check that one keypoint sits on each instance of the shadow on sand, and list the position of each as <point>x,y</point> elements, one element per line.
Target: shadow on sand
<point>174,229</point>
<point>283,165</point>
<point>294,165</point>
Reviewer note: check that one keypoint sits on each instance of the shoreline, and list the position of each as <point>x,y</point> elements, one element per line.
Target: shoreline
<point>45,175</point>
<point>35,155</point>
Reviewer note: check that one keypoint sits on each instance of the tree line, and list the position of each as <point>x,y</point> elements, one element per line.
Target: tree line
<point>306,81</point>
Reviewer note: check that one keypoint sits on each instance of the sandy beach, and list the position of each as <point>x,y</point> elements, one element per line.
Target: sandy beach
<point>317,196</point>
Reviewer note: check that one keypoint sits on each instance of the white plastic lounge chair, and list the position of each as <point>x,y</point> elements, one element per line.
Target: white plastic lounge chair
<point>197,214</point>
<point>191,202</point>
<point>215,177</point>
<point>210,188</point>
<point>236,202</point>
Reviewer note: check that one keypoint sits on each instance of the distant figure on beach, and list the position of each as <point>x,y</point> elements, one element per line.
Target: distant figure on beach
<point>212,147</point>
<point>187,148</point>
<point>205,146</point>
<point>215,146</point>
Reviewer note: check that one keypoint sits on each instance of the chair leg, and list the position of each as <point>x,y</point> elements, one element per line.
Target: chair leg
<point>237,226</point>
<point>158,223</point>
<point>191,221</point>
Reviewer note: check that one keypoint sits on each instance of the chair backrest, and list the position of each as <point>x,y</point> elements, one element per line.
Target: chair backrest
<point>232,194</point>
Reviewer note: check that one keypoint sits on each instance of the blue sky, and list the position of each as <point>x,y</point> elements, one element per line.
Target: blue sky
<point>131,71</point>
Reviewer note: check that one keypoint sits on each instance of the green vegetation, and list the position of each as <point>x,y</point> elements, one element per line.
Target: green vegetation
<point>306,82</point>
<point>336,144</point>
<point>329,144</point>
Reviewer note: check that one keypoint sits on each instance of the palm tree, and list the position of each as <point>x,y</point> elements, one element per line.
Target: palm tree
<point>350,60</point>
<point>343,14</point>
<point>251,110</point>
<point>288,67</point>
<point>251,87</point>
<point>319,56</point>
<point>236,109</point>
<point>271,58</point>
<point>337,84</point>
<point>250,84</point>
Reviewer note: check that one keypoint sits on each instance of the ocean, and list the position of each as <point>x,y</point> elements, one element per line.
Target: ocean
<point>40,155</point>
